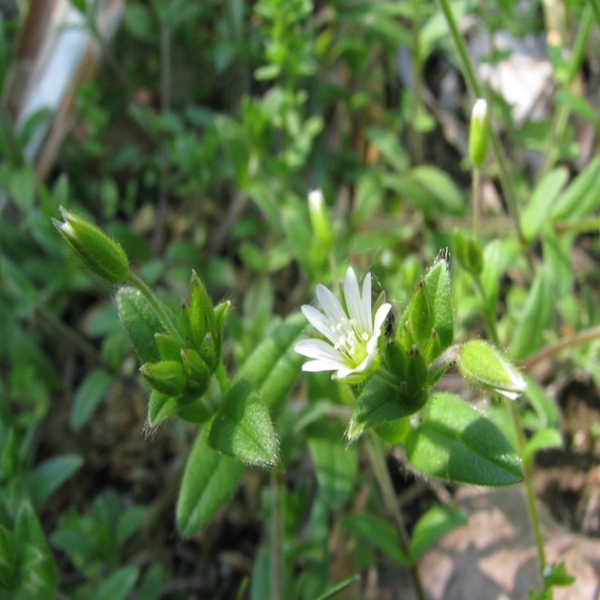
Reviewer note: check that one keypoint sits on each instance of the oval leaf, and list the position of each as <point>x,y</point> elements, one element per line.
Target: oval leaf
<point>118,585</point>
<point>89,395</point>
<point>459,444</point>
<point>242,428</point>
<point>209,480</point>
<point>50,475</point>
<point>140,322</point>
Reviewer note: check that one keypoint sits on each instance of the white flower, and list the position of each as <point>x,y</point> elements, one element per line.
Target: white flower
<point>353,336</point>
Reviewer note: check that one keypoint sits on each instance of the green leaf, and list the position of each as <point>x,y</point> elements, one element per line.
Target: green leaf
<point>440,184</point>
<point>209,480</point>
<point>38,572</point>
<point>21,186</point>
<point>377,532</point>
<point>335,465</point>
<point>433,525</point>
<point>341,586</point>
<point>578,105</point>
<point>457,443</point>
<point>541,440</point>
<point>380,402</point>
<point>89,395</point>
<point>118,585</point>
<point>141,323</point>
<point>543,197</point>
<point>581,198</point>
<point>546,410</point>
<point>273,366</point>
<point>50,475</point>
<point>536,318</point>
<point>242,428</point>
<point>437,281</point>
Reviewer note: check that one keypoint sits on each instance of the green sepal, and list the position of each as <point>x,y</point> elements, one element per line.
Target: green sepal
<point>209,480</point>
<point>189,408</point>
<point>202,315</point>
<point>167,376</point>
<point>141,323</point>
<point>98,252</point>
<point>9,560</point>
<point>168,347</point>
<point>457,443</point>
<point>439,289</point>
<point>242,428</point>
<point>383,400</point>
<point>420,318</point>
<point>196,369</point>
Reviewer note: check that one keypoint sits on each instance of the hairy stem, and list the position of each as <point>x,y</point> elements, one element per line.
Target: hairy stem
<point>377,458</point>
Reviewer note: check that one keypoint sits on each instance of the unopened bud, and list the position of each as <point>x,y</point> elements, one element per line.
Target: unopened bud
<point>320,220</point>
<point>483,366</point>
<point>167,377</point>
<point>478,136</point>
<point>98,252</point>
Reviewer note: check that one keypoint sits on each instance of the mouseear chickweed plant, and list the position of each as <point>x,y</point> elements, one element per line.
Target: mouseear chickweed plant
<point>390,362</point>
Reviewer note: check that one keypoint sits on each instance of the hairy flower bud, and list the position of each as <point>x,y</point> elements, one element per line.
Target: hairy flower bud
<point>98,252</point>
<point>482,365</point>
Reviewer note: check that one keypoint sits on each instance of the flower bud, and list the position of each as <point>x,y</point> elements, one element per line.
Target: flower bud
<point>167,377</point>
<point>320,220</point>
<point>478,136</point>
<point>482,365</point>
<point>98,252</point>
<point>196,369</point>
<point>469,253</point>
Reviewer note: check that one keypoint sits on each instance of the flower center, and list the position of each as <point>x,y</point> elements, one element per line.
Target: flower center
<point>352,344</point>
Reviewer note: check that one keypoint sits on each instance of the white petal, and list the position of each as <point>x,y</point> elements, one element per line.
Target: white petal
<point>318,349</point>
<point>321,323</point>
<point>353,302</point>
<point>314,366</point>
<point>330,304</point>
<point>380,315</point>
<point>366,302</point>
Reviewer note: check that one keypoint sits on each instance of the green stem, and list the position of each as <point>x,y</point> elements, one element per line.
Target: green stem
<point>473,84</point>
<point>577,339</point>
<point>490,322</point>
<point>276,542</point>
<point>476,191</point>
<point>417,138</point>
<point>334,272</point>
<point>534,515</point>
<point>159,309</point>
<point>377,458</point>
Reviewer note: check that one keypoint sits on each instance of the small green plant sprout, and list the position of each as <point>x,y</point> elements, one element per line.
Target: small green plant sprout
<point>354,340</point>
<point>98,252</point>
